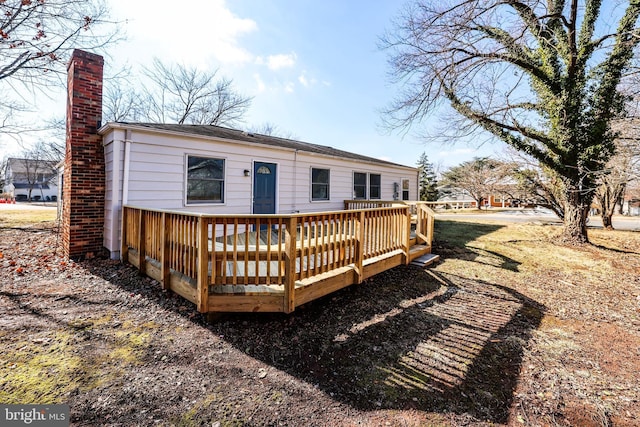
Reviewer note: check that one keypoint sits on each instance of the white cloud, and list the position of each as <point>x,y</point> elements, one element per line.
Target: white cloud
<point>259,82</point>
<point>277,62</point>
<point>205,29</point>
<point>306,82</point>
<point>289,87</point>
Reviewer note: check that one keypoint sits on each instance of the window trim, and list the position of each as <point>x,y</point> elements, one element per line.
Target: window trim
<point>402,180</point>
<point>186,181</point>
<point>353,186</point>
<point>379,186</point>
<point>311,199</point>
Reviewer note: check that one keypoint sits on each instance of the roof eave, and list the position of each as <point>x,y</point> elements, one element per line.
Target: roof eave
<point>128,126</point>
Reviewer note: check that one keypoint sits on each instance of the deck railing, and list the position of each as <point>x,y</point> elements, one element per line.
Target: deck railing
<point>244,253</point>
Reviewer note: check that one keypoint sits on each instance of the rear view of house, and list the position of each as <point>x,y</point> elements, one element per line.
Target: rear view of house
<point>230,220</point>
<point>215,170</point>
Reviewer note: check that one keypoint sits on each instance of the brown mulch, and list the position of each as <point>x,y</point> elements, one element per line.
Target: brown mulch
<point>408,347</point>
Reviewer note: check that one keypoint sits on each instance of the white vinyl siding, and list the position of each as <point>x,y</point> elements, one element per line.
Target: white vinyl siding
<point>157,176</point>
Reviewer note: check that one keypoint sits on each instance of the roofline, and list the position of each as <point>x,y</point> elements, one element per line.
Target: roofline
<point>129,126</point>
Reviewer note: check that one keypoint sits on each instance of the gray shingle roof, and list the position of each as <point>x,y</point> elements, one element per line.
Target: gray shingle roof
<point>238,135</point>
<point>24,165</point>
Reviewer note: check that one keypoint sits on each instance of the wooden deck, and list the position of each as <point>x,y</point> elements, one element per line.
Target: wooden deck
<point>271,263</point>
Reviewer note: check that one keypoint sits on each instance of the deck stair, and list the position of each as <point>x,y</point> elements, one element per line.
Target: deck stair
<point>426,260</point>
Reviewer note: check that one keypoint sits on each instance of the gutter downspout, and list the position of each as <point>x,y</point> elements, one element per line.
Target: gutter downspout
<point>125,173</point>
<point>295,181</point>
<point>125,183</point>
<point>116,207</point>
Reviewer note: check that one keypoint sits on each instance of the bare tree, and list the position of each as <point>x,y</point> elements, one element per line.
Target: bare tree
<point>542,76</point>
<point>480,177</point>
<point>37,166</point>
<point>622,169</point>
<point>120,101</point>
<point>36,40</point>
<point>37,37</point>
<point>3,171</point>
<point>179,94</point>
<point>271,129</point>
<point>541,187</point>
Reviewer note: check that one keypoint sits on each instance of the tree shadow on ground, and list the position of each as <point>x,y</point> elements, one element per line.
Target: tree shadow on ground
<point>407,339</point>
<point>453,240</point>
<point>617,250</point>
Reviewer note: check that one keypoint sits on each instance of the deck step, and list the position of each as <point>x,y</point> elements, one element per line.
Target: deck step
<point>426,260</point>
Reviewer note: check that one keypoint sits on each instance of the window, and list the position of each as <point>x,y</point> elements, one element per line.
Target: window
<point>359,185</point>
<point>319,184</point>
<point>405,189</point>
<point>374,186</point>
<point>205,180</point>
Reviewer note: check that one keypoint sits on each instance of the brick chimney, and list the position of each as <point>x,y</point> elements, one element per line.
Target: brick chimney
<point>84,173</point>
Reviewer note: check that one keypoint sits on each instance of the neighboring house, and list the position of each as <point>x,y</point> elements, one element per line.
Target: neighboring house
<point>455,198</point>
<point>199,168</point>
<point>631,202</point>
<point>458,198</point>
<point>29,179</point>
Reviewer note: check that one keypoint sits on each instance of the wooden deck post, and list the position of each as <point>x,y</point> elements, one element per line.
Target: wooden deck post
<point>407,237</point>
<point>290,265</point>
<point>165,273</point>
<point>431,222</point>
<point>359,261</point>
<point>142,241</point>
<point>124,247</point>
<point>202,294</point>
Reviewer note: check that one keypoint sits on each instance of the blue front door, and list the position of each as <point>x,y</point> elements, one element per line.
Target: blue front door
<point>264,188</point>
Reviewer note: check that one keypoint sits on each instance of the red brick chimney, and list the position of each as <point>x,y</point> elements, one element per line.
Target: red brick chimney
<point>84,174</point>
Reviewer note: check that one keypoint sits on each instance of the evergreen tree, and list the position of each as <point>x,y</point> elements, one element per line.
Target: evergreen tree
<point>427,179</point>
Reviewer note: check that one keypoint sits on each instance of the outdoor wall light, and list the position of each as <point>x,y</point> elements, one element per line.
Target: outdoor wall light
<point>247,172</point>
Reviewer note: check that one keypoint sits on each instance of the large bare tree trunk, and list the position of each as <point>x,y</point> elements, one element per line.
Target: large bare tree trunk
<point>574,230</point>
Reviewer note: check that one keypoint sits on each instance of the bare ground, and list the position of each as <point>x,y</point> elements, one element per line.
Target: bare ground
<point>506,330</point>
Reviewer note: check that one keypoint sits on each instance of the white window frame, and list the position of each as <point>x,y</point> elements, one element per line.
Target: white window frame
<point>353,185</point>
<point>402,181</point>
<point>369,186</point>
<point>186,181</point>
<point>311,199</point>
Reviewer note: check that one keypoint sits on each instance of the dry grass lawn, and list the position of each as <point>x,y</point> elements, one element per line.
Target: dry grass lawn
<point>508,329</point>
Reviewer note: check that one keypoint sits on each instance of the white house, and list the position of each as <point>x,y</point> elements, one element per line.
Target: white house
<point>211,169</point>
<point>31,179</point>
<point>197,168</point>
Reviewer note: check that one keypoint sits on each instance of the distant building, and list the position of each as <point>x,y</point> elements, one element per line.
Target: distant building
<point>28,179</point>
<point>631,201</point>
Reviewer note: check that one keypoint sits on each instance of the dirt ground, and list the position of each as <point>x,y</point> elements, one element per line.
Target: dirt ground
<point>500,332</point>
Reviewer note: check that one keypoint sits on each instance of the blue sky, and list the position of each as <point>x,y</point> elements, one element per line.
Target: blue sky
<point>313,67</point>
